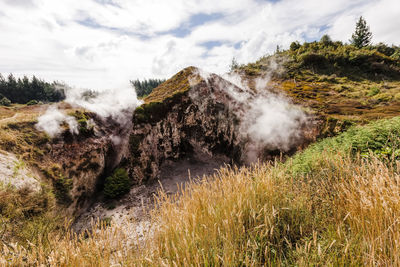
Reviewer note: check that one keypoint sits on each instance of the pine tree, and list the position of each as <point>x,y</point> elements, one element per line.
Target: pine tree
<point>362,35</point>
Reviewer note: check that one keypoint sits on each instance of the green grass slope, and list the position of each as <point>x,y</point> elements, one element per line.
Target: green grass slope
<point>336,80</point>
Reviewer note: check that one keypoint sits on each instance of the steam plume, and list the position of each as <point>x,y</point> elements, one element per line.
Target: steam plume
<point>267,120</point>
<point>116,104</point>
<point>52,119</point>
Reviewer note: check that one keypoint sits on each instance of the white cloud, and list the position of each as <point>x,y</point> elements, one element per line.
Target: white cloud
<point>98,45</point>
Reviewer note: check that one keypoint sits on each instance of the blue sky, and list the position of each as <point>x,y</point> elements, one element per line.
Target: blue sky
<point>104,43</point>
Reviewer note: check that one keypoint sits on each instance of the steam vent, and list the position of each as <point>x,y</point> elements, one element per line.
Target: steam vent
<point>191,114</point>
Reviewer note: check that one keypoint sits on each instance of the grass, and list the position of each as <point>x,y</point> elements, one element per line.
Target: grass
<point>343,210</point>
<point>179,83</point>
<point>334,79</point>
<point>159,102</point>
<point>380,138</point>
<point>26,217</point>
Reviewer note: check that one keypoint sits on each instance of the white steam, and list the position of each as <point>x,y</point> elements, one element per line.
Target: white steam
<point>267,120</point>
<point>116,104</point>
<point>51,121</point>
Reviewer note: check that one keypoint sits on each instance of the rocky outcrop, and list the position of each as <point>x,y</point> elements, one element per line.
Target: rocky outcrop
<point>192,117</point>
<point>76,165</point>
<point>203,114</point>
<point>198,120</point>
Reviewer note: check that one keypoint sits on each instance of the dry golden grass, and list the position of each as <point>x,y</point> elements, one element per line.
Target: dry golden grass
<point>179,83</point>
<point>346,213</point>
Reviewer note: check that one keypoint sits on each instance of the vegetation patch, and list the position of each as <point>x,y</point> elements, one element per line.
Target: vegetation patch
<point>61,184</point>
<point>379,139</point>
<point>117,184</point>
<point>83,119</point>
<point>179,83</point>
<point>5,102</point>
<point>26,216</point>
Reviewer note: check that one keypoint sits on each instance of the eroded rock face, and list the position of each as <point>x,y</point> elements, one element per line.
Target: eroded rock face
<point>197,121</point>
<point>80,163</point>
<point>206,118</point>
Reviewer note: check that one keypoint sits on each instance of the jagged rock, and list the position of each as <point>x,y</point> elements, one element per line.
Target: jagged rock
<point>195,113</point>
<point>195,118</point>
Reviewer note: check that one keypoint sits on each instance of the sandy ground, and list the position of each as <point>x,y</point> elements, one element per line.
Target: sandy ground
<point>132,211</point>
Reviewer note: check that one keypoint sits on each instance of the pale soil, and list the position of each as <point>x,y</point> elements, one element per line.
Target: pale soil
<point>15,173</point>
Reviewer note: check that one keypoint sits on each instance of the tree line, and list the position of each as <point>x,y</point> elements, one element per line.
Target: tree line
<point>145,87</point>
<point>22,91</point>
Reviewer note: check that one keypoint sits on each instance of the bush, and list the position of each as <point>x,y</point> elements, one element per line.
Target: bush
<point>383,97</point>
<point>326,40</point>
<point>313,59</point>
<point>5,101</point>
<point>117,184</point>
<point>294,46</point>
<point>32,102</point>
<point>373,91</point>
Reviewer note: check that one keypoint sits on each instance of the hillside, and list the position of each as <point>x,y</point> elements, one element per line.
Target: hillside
<point>270,203</point>
<point>336,80</point>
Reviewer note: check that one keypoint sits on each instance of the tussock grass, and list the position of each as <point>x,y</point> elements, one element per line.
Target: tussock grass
<point>346,213</point>
<point>25,216</point>
<point>342,210</point>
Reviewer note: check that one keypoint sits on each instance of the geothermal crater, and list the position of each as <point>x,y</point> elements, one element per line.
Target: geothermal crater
<point>190,126</point>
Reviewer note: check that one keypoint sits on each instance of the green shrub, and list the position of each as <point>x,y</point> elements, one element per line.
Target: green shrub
<point>85,128</point>
<point>373,91</point>
<point>383,97</point>
<point>32,102</point>
<point>313,59</point>
<point>326,40</point>
<point>294,46</point>
<point>117,184</point>
<point>5,101</point>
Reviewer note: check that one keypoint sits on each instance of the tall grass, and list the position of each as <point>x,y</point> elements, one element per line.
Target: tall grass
<point>343,208</point>
<point>346,213</point>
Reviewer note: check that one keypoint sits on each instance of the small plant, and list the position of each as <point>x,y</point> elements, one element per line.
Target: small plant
<point>5,102</point>
<point>294,46</point>
<point>117,184</point>
<point>85,124</point>
<point>32,102</point>
<point>373,91</point>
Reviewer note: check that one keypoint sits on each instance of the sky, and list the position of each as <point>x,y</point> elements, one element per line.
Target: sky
<point>100,44</point>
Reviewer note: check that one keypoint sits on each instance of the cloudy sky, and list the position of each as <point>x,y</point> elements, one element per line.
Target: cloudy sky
<point>104,43</point>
